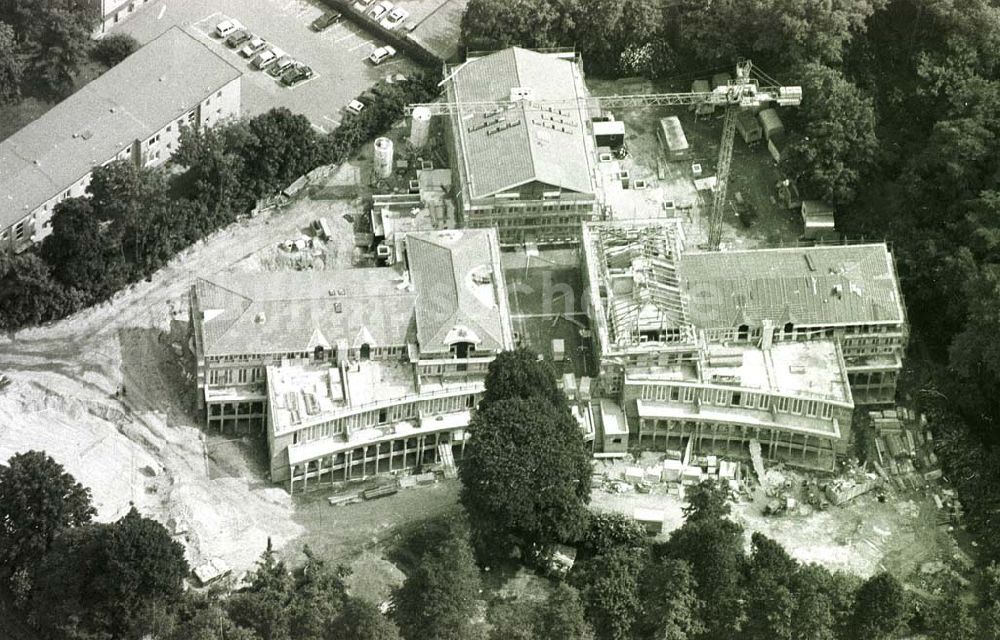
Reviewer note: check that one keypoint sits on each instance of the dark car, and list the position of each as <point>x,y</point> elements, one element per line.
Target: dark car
<point>325,20</point>
<point>296,74</point>
<point>238,37</point>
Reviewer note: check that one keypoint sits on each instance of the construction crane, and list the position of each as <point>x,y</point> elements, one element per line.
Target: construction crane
<point>742,92</point>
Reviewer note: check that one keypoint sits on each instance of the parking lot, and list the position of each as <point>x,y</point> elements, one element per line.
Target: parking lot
<point>337,55</point>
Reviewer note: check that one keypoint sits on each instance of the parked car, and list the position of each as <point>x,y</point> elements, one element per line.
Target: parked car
<point>395,18</point>
<point>281,65</point>
<point>380,10</point>
<point>296,74</point>
<point>327,19</point>
<point>362,5</point>
<point>267,57</point>
<point>252,47</point>
<point>355,106</point>
<point>226,27</point>
<point>238,37</point>
<point>381,54</point>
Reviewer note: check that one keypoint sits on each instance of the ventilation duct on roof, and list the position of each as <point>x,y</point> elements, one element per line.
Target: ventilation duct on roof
<point>260,318</point>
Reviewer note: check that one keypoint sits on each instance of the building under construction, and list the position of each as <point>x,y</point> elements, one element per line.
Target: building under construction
<point>356,372</point>
<point>526,168</point>
<point>774,346</point>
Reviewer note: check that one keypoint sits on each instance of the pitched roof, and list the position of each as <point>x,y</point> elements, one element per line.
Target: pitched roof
<point>460,289</point>
<point>296,312</point>
<point>131,101</point>
<point>526,142</point>
<point>805,286</point>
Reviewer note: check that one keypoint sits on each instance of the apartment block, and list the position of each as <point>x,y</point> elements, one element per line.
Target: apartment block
<point>526,169</point>
<point>773,346</point>
<point>357,372</point>
<point>134,112</point>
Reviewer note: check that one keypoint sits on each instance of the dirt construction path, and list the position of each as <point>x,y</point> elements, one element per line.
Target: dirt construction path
<point>147,448</point>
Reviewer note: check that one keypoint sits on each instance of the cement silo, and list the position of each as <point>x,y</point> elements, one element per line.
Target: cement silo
<point>420,127</point>
<point>383,157</point>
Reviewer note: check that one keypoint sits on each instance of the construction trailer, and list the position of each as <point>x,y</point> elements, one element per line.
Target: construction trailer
<point>721,80</point>
<point>771,123</point>
<point>818,220</point>
<point>609,134</point>
<point>650,519</point>
<point>671,135</point>
<point>705,108</point>
<point>749,127</point>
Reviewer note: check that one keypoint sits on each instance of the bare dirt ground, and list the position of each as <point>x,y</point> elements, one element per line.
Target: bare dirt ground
<point>148,449</point>
<point>862,537</point>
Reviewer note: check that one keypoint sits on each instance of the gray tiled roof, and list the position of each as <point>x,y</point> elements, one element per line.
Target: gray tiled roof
<point>141,95</point>
<point>459,287</point>
<point>532,143</point>
<point>804,286</point>
<point>295,311</point>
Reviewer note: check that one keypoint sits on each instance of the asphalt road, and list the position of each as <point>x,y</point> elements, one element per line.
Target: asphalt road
<point>337,55</point>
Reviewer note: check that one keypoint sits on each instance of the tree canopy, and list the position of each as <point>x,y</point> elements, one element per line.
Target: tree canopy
<point>525,476</point>
<point>38,500</point>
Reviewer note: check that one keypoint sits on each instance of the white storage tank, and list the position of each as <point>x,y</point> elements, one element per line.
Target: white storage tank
<point>420,126</point>
<point>383,157</point>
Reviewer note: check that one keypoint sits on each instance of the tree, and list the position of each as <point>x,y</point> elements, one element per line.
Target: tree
<point>80,254</point>
<point>115,47</point>
<point>440,597</point>
<point>59,46</point>
<point>263,605</point>
<point>609,591</point>
<point>607,530</point>
<point>29,294</point>
<point>525,478</point>
<point>823,602</point>
<point>203,617</point>
<point>669,609</point>
<point>283,147</point>
<point>360,620</point>
<point>835,143</point>
<point>488,25</point>
<point>880,608</point>
<point>562,616</point>
<point>714,549</point>
<point>103,579</point>
<point>11,66</point>
<point>708,500</point>
<point>770,609</point>
<point>520,374</point>
<point>38,499</point>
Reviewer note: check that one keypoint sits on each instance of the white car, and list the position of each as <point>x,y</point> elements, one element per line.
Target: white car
<point>381,54</point>
<point>267,57</point>
<point>252,47</point>
<point>355,106</point>
<point>395,18</point>
<point>226,27</point>
<point>362,5</point>
<point>380,10</point>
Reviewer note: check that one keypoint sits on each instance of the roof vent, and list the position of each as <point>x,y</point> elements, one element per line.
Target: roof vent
<point>341,292</point>
<point>338,308</point>
<point>521,93</point>
<point>260,318</point>
<point>838,290</point>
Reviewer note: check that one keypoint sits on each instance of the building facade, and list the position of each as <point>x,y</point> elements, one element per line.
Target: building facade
<point>527,170</point>
<point>111,12</point>
<point>772,346</point>
<point>356,372</point>
<point>134,112</point>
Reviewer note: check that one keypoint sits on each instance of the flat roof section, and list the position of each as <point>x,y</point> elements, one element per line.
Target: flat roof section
<point>131,101</point>
<point>305,394</point>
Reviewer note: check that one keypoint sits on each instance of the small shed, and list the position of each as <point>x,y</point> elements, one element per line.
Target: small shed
<point>749,127</point>
<point>609,133</point>
<point>613,428</point>
<point>721,80</point>
<point>818,219</point>
<point>671,135</point>
<point>771,122</point>
<point>650,519</point>
<point>702,86</point>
